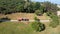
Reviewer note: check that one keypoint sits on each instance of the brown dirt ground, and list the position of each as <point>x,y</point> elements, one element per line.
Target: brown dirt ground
<point>30,16</point>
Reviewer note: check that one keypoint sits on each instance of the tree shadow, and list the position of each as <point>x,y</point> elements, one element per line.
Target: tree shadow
<point>4,19</point>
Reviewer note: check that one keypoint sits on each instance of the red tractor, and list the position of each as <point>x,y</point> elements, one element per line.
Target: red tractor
<point>20,19</point>
<point>23,19</point>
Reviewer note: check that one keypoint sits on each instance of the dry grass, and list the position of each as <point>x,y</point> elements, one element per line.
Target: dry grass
<point>21,15</point>
<point>44,17</point>
<point>25,15</point>
<point>1,15</point>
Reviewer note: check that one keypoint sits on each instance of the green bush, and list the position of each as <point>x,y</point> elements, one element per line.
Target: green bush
<point>55,21</point>
<point>38,12</point>
<point>37,25</point>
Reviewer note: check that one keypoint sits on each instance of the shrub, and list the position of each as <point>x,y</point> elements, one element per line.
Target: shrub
<point>55,21</point>
<point>38,12</point>
<point>37,25</point>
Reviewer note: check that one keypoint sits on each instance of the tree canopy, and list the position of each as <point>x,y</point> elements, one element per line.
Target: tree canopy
<point>13,6</point>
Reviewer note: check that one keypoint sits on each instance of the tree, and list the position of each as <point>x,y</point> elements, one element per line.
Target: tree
<point>19,8</point>
<point>37,25</point>
<point>50,7</point>
<point>26,6</point>
<point>35,6</point>
<point>11,6</point>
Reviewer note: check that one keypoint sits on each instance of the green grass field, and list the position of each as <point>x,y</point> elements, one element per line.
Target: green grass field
<point>22,28</point>
<point>15,28</point>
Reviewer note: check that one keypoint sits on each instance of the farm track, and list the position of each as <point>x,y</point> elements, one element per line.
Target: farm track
<point>25,21</point>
